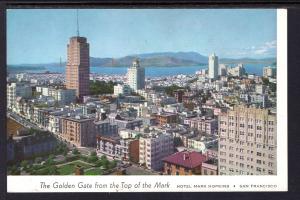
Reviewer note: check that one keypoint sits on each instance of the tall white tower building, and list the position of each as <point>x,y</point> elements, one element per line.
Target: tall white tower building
<point>213,66</point>
<point>136,76</point>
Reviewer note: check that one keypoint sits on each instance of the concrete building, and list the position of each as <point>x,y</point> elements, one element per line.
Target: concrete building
<point>269,72</point>
<point>117,148</point>
<point>260,89</point>
<point>136,76</point>
<point>247,143</point>
<point>64,96</point>
<point>153,148</point>
<point>213,66</point>
<point>124,123</point>
<point>237,71</point>
<point>210,167</point>
<point>122,90</point>
<point>78,130</point>
<point>15,90</point>
<point>104,127</point>
<point>166,118</point>
<point>178,94</point>
<point>223,70</point>
<point>207,125</point>
<point>78,66</point>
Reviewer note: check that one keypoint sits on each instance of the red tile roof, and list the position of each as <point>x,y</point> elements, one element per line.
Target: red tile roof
<point>186,159</point>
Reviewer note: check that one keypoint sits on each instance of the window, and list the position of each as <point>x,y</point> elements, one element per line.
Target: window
<point>258,169</point>
<point>258,161</point>
<point>205,171</point>
<point>258,153</point>
<point>270,164</point>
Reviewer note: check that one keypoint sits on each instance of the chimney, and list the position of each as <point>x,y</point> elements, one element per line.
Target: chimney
<point>185,156</point>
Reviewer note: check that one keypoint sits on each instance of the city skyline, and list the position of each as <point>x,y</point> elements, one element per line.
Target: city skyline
<point>202,31</point>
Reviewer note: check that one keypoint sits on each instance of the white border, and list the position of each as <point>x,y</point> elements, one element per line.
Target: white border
<point>211,183</point>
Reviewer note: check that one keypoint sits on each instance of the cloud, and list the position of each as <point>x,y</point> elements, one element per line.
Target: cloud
<point>268,48</point>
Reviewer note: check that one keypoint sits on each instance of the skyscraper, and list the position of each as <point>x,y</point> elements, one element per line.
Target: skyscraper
<point>136,76</point>
<point>248,143</point>
<point>78,66</point>
<point>213,66</point>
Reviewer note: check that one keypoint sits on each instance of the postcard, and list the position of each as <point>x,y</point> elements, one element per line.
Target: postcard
<point>146,100</point>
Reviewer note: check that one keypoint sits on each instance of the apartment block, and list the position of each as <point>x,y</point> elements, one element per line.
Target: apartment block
<point>153,148</point>
<point>78,130</point>
<point>247,143</point>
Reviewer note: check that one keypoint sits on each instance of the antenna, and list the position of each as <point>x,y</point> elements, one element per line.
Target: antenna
<point>77,23</point>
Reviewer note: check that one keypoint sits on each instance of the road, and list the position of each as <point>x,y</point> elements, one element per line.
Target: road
<point>25,122</point>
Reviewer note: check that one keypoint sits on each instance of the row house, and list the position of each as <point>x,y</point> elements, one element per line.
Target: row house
<point>207,125</point>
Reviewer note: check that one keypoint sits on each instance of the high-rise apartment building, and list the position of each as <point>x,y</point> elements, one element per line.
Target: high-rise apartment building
<point>78,66</point>
<point>153,148</point>
<point>247,143</point>
<point>15,90</point>
<point>136,76</point>
<point>213,66</point>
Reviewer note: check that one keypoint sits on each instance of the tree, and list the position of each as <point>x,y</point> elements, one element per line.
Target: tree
<point>75,151</point>
<point>101,87</point>
<point>15,170</point>
<point>112,164</point>
<point>103,157</point>
<point>93,153</point>
<point>52,170</point>
<point>24,164</point>
<point>38,160</point>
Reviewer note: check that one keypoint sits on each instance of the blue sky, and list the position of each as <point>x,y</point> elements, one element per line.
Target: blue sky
<point>41,35</point>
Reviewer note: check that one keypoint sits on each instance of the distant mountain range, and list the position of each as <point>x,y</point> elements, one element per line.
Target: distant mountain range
<point>160,59</point>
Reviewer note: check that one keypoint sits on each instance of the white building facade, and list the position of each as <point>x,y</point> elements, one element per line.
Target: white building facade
<point>136,76</point>
<point>213,66</point>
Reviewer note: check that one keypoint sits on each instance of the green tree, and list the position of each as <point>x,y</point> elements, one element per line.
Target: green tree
<point>15,170</point>
<point>24,164</point>
<point>101,87</point>
<point>112,164</point>
<point>93,157</point>
<point>75,151</point>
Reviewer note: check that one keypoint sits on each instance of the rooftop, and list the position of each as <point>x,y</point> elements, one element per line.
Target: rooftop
<point>186,159</point>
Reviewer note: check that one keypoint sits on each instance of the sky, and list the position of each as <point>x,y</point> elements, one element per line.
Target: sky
<point>41,35</point>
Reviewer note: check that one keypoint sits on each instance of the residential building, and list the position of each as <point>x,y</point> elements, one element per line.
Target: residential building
<point>136,76</point>
<point>122,90</point>
<point>78,130</point>
<point>164,118</point>
<point>104,127</point>
<point>237,71</point>
<point>153,147</point>
<point>204,124</point>
<point>210,167</point>
<point>178,94</point>
<point>269,72</point>
<point>117,148</point>
<point>184,163</point>
<point>124,123</point>
<point>15,90</point>
<point>247,143</point>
